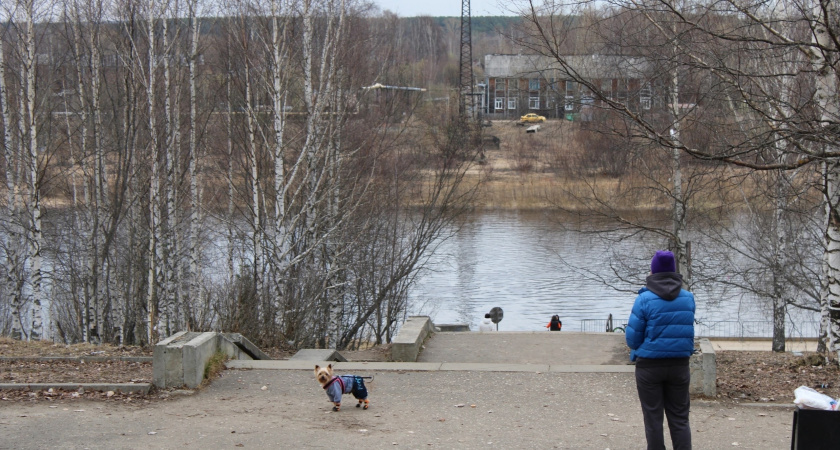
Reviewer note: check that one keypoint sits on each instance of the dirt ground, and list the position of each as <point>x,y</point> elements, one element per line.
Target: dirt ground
<point>742,377</point>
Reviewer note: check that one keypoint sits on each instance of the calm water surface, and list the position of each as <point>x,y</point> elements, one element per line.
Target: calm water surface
<point>532,267</point>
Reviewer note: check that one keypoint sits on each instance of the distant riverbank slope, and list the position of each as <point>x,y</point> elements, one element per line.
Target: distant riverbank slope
<point>573,167</point>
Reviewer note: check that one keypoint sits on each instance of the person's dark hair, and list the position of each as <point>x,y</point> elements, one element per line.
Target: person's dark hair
<point>487,316</point>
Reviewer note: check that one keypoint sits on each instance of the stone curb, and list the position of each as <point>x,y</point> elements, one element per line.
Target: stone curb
<point>133,388</point>
<point>77,358</point>
<point>757,405</point>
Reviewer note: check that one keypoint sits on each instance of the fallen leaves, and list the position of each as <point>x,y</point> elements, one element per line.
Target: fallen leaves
<point>18,371</point>
<point>771,377</point>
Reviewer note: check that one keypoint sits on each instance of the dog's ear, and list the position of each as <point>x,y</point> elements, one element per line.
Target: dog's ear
<point>329,366</point>
<point>316,368</point>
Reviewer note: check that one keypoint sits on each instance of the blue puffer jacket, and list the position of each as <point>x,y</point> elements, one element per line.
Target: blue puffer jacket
<point>662,322</point>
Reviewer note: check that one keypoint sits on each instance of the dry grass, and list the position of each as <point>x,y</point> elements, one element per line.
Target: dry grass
<point>552,168</point>
<point>215,365</point>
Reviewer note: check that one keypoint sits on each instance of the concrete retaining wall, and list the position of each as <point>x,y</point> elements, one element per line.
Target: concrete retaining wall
<point>412,334</point>
<point>703,367</point>
<point>237,346</point>
<point>180,359</point>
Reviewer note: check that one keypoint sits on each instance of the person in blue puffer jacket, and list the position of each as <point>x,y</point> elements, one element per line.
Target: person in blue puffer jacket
<point>660,334</point>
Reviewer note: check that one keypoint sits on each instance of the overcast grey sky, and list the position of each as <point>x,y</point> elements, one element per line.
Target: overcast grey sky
<point>408,8</point>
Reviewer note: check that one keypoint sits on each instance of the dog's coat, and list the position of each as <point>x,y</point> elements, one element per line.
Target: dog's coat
<point>336,386</point>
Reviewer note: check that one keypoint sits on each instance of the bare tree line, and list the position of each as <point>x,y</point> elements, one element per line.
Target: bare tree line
<point>746,88</point>
<point>170,167</point>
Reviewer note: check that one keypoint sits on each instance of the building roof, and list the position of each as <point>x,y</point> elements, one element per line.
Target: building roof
<point>586,66</point>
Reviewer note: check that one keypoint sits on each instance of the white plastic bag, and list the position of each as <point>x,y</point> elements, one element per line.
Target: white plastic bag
<point>810,399</point>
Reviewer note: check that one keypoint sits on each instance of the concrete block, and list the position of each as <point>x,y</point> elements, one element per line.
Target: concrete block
<point>414,331</point>
<point>318,354</point>
<point>197,352</point>
<point>703,367</point>
<point>180,359</point>
<point>166,362</point>
<point>709,368</point>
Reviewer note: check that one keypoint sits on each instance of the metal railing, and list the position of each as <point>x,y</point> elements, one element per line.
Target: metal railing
<point>755,329</point>
<point>601,325</point>
<point>719,329</point>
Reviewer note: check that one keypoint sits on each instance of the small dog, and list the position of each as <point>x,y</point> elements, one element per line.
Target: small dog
<point>344,384</point>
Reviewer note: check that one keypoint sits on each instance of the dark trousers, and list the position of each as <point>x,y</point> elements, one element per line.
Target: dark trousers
<point>663,387</point>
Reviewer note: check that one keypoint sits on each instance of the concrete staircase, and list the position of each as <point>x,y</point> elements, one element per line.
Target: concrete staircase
<point>421,346</point>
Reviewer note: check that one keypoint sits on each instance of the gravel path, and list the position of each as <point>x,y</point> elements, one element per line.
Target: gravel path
<point>288,409</point>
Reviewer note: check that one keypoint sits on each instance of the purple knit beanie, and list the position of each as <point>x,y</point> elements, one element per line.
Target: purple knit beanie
<point>663,261</point>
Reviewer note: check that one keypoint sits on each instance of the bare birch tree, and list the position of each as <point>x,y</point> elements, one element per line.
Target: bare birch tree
<point>322,241</point>
<point>719,38</point>
<point>12,235</point>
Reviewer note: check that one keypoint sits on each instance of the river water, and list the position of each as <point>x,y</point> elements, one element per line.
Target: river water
<point>533,267</point>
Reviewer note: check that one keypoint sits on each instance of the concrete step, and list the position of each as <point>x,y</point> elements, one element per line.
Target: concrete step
<point>427,366</point>
<point>317,354</point>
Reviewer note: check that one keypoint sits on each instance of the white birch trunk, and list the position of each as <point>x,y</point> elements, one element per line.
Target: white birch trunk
<point>88,310</point>
<point>678,218</point>
<point>230,186</point>
<point>780,239</point>
<point>335,288</point>
<point>281,238</point>
<point>825,318</point>
<point>132,107</point>
<point>313,114</point>
<point>35,233</point>
<point>154,195</point>
<point>335,291</point>
<point>13,281</point>
<point>779,257</point>
<point>831,302</point>
<point>168,224</point>
<point>256,194</point>
<point>195,294</point>
<point>99,269</point>
<point>826,96</point>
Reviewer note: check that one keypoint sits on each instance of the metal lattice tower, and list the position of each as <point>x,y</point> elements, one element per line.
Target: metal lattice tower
<point>465,78</point>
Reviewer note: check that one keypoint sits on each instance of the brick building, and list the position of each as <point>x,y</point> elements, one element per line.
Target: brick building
<point>519,84</point>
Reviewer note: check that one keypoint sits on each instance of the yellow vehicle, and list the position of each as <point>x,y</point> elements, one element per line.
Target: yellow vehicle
<point>531,118</point>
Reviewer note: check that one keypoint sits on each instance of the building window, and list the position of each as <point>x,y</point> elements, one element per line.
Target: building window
<point>534,102</point>
<point>621,94</point>
<point>110,60</point>
<point>645,94</point>
<point>511,102</point>
<point>571,87</point>
<point>606,89</point>
<point>500,103</point>
<point>534,84</point>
